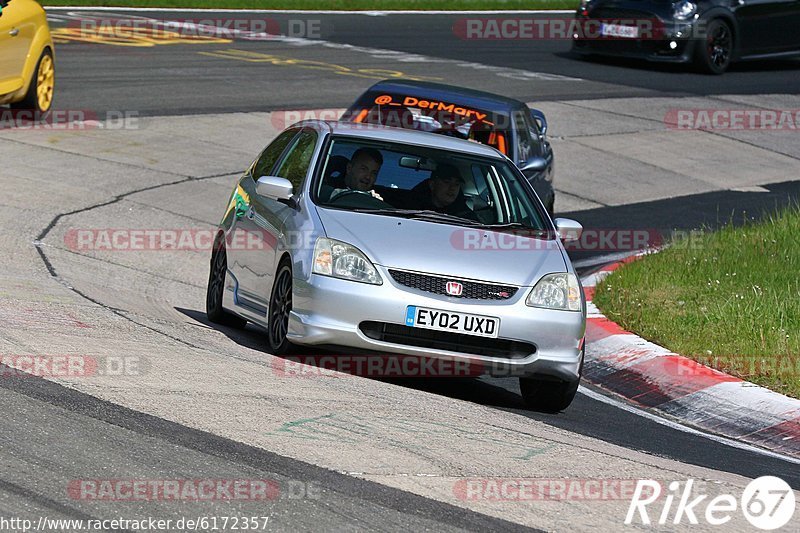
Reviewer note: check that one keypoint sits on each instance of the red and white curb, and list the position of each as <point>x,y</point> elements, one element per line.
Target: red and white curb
<point>664,382</point>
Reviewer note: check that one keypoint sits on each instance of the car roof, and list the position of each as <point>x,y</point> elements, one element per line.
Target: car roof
<point>439,91</point>
<point>401,135</point>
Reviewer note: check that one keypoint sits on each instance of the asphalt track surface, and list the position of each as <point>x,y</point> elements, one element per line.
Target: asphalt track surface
<point>46,425</point>
<point>178,80</point>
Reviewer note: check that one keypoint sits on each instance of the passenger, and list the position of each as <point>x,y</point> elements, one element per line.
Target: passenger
<point>361,173</point>
<point>443,193</point>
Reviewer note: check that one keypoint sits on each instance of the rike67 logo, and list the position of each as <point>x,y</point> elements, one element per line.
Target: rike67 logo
<point>767,503</point>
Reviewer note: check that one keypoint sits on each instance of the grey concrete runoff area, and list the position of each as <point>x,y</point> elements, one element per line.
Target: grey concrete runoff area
<point>174,399</point>
<point>147,307</point>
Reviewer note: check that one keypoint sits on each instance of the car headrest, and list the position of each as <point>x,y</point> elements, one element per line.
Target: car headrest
<point>334,173</point>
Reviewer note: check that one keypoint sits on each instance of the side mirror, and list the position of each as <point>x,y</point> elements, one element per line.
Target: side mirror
<point>568,229</point>
<point>538,117</point>
<point>279,189</point>
<point>534,164</point>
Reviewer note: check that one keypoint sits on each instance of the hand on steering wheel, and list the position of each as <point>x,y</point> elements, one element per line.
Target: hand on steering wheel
<point>369,197</point>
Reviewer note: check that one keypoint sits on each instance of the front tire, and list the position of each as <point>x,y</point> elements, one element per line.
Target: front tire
<point>216,288</point>
<point>548,395</point>
<point>713,54</point>
<point>280,306</point>
<point>39,98</point>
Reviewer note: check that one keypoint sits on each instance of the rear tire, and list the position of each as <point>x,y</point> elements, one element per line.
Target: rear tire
<point>280,305</point>
<point>39,98</point>
<point>216,288</point>
<point>713,54</point>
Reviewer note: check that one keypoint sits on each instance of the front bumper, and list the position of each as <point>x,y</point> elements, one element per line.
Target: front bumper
<point>669,42</point>
<point>332,312</point>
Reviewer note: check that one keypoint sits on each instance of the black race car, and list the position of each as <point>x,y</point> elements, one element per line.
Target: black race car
<point>709,33</point>
<point>506,124</point>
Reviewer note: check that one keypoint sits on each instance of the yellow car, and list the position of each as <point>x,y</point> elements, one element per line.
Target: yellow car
<point>27,73</point>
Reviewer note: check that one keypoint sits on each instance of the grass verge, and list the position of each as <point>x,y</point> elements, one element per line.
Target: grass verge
<point>729,299</point>
<point>337,5</point>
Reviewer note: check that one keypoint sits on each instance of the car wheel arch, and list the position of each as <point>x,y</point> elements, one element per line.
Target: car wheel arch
<point>720,13</point>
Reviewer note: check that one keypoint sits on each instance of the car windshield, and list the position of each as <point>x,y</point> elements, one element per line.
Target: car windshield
<point>412,181</point>
<point>451,118</point>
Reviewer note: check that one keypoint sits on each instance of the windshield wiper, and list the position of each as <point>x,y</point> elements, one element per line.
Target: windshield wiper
<point>422,214</point>
<point>527,231</point>
<point>504,225</point>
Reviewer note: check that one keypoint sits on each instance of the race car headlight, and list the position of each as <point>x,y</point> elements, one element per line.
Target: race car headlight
<point>556,291</point>
<point>684,9</point>
<point>341,260</point>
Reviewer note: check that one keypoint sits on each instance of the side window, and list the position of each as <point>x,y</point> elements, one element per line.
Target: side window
<point>266,161</point>
<point>294,166</point>
<point>524,141</point>
<point>533,126</point>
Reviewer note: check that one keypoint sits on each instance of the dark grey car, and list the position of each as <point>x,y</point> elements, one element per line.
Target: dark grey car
<point>503,123</point>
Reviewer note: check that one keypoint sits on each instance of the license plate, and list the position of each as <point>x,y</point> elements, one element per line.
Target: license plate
<point>617,30</point>
<point>422,317</point>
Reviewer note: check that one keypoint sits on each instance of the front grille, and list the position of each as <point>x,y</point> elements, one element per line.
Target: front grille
<point>444,340</point>
<point>614,13</point>
<point>472,290</point>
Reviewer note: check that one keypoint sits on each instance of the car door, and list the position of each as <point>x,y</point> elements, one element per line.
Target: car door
<point>16,37</point>
<point>246,242</point>
<point>269,215</point>
<point>768,26</point>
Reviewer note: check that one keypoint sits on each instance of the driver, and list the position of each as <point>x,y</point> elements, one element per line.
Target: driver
<point>361,173</point>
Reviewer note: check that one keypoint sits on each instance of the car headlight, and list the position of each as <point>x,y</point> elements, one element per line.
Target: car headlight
<point>556,291</point>
<point>684,9</point>
<point>341,260</point>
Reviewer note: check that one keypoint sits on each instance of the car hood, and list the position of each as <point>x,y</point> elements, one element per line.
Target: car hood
<point>449,250</point>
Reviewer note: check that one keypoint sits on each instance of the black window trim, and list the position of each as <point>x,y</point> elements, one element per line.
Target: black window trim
<point>285,154</point>
<point>279,158</point>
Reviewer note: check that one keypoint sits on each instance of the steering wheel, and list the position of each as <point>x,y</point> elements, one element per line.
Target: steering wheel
<point>358,200</point>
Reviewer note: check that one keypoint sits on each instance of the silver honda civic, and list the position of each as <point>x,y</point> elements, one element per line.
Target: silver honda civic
<point>399,243</point>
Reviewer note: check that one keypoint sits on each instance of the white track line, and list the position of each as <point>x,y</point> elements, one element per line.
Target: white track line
<point>603,259</point>
<point>370,13</point>
<point>680,427</point>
